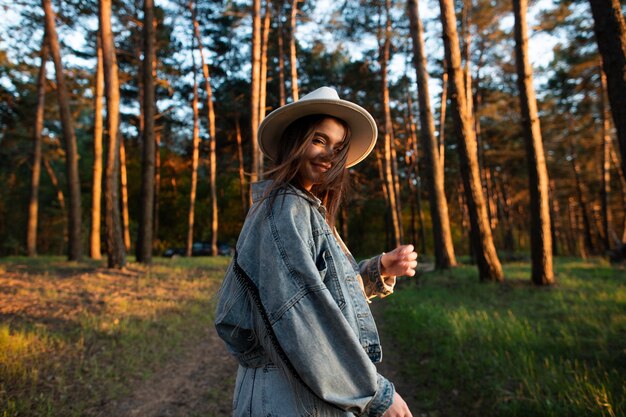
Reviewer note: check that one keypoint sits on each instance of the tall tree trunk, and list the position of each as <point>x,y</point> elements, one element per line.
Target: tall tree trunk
<point>157,180</point>
<point>281,54</point>
<point>622,183</point>
<point>488,263</point>
<point>75,248</point>
<point>124,190</point>
<point>242,178</point>
<point>396,222</point>
<point>33,206</point>
<point>442,113</point>
<point>292,51</point>
<point>95,238</point>
<point>610,30</point>
<point>212,137</point>
<point>540,235</point>
<point>145,234</point>
<point>555,226</point>
<point>254,91</point>
<point>263,73</point>
<point>442,236</point>
<point>605,189</point>
<point>194,157</point>
<point>115,248</point>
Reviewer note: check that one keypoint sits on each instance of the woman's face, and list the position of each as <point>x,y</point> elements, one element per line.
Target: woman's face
<point>320,153</point>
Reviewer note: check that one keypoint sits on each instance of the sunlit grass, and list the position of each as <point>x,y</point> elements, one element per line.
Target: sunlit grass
<point>514,349</point>
<point>75,335</point>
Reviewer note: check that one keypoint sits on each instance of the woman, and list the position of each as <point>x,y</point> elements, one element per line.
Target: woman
<point>293,307</point>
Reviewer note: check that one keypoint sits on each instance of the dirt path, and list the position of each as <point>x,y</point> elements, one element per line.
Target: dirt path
<point>199,383</point>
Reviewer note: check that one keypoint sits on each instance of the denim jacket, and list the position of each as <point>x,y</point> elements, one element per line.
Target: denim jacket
<point>294,297</point>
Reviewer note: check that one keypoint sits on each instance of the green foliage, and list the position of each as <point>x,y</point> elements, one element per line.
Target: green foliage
<point>513,349</point>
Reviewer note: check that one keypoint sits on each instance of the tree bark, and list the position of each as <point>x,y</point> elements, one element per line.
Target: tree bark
<point>610,31</point>
<point>115,248</point>
<point>195,155</point>
<point>75,248</point>
<point>605,189</point>
<point>95,251</point>
<point>292,51</point>
<point>281,55</point>
<point>242,178</point>
<point>124,190</point>
<point>263,69</point>
<point>33,206</point>
<point>487,259</point>
<point>442,115</point>
<point>396,221</point>
<point>212,138</point>
<point>254,90</point>
<point>145,234</point>
<point>442,236</point>
<point>540,235</point>
<point>157,180</point>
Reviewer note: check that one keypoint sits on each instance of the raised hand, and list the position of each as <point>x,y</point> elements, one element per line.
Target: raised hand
<point>400,261</point>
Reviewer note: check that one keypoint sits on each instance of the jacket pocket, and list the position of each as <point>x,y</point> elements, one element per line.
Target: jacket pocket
<point>328,273</point>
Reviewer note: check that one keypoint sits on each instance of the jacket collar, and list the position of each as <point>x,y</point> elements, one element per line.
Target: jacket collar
<point>259,191</point>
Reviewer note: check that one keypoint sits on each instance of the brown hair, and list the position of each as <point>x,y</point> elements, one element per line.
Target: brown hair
<point>293,145</point>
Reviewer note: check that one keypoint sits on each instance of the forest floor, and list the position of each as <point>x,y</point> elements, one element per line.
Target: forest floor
<point>78,339</point>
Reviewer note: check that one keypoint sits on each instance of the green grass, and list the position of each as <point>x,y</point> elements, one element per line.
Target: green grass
<point>74,336</point>
<point>473,349</point>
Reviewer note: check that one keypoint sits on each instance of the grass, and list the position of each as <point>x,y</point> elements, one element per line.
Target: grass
<point>475,349</point>
<point>74,335</point>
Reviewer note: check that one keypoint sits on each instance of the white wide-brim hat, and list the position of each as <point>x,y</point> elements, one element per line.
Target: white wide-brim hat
<point>324,100</point>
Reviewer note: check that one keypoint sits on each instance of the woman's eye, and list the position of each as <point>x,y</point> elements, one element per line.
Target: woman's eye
<point>319,141</point>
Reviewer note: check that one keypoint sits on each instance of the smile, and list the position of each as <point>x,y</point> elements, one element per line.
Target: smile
<point>323,166</point>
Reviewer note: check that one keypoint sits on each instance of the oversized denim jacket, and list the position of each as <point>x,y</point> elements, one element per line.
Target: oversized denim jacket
<point>292,297</point>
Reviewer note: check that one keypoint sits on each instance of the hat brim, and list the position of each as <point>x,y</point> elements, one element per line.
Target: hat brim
<point>362,126</point>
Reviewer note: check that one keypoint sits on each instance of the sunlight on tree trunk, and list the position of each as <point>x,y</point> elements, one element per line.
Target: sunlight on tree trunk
<point>195,153</point>
<point>388,140</point>
<point>212,137</point>
<point>74,220</point>
<point>124,190</point>
<point>541,237</point>
<point>254,92</point>
<point>482,242</point>
<point>95,237</point>
<point>442,236</point>
<point>295,95</point>
<point>115,248</point>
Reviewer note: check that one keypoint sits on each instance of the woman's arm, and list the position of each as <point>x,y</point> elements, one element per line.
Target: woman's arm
<point>379,273</point>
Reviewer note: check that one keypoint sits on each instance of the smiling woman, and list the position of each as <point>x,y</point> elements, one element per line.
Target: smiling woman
<point>293,307</point>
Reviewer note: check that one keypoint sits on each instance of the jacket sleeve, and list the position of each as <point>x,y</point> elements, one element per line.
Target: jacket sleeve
<point>374,284</point>
<point>314,340</point>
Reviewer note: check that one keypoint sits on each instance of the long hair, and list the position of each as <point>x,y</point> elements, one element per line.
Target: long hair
<point>292,147</point>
